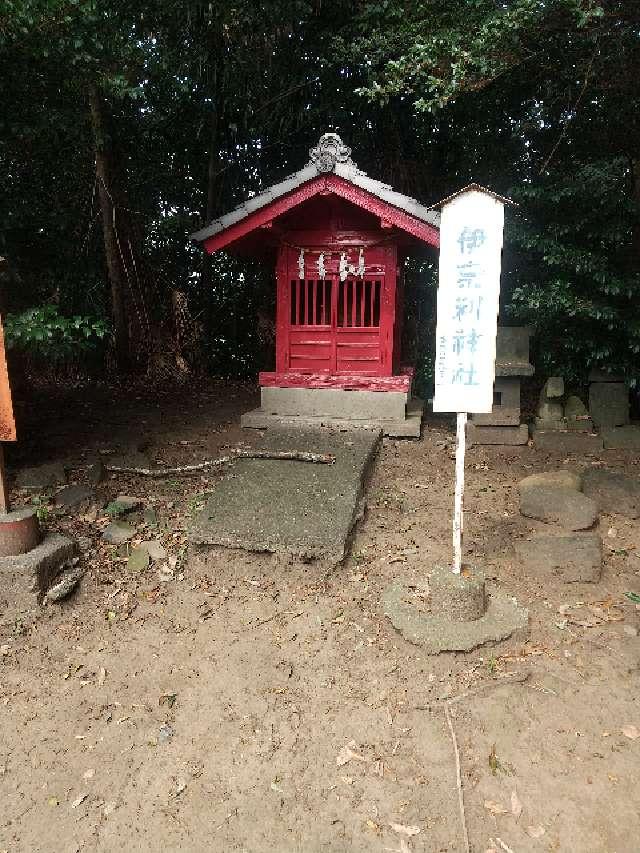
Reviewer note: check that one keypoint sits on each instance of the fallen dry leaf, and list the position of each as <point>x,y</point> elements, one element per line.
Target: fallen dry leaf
<point>631,732</point>
<point>401,829</point>
<point>516,805</point>
<point>495,808</point>
<point>535,831</point>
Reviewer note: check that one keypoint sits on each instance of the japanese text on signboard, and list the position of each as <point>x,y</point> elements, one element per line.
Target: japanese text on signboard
<point>468,294</point>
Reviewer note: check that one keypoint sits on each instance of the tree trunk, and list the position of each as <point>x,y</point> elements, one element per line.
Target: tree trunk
<point>117,275</point>
<point>635,244</point>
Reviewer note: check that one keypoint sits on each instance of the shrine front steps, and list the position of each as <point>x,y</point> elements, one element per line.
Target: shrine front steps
<point>398,418</point>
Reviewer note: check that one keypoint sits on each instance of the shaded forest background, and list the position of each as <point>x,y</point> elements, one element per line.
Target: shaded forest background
<point>125,125</point>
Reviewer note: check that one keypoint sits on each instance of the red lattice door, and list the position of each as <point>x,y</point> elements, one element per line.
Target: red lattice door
<point>335,323</point>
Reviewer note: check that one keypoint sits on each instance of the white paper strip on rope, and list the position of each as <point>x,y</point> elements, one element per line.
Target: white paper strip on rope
<point>468,294</point>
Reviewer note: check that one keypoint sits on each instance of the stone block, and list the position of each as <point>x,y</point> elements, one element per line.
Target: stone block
<point>569,508</point>
<point>507,411</point>
<point>576,558</point>
<point>552,479</point>
<point>579,424</point>
<point>334,402</point>
<point>409,426</point>
<point>548,422</point>
<point>41,565</point>
<point>609,404</point>
<point>553,387</point>
<point>73,496</point>
<point>512,351</point>
<point>579,443</point>
<point>622,438</point>
<point>612,491</point>
<point>513,435</point>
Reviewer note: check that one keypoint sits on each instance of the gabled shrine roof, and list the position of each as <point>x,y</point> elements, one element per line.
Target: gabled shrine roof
<point>329,157</point>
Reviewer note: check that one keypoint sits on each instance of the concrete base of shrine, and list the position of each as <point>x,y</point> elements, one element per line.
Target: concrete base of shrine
<point>303,510</point>
<point>454,614</point>
<point>400,418</point>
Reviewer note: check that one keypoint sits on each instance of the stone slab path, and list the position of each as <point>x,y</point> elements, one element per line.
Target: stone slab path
<point>306,510</point>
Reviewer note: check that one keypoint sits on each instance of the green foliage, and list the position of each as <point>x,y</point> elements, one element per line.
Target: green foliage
<point>209,102</point>
<point>45,332</point>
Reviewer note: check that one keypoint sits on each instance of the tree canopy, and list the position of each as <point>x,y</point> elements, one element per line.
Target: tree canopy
<point>128,124</point>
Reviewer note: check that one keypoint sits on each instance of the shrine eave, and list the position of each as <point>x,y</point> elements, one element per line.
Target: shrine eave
<point>330,170</point>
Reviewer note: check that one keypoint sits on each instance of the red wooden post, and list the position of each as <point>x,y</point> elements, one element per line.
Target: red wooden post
<point>283,312</point>
<point>4,493</point>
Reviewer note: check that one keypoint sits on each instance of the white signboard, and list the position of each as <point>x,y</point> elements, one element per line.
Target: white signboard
<point>468,292</point>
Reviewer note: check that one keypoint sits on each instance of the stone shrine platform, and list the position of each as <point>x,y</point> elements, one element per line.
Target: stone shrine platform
<point>307,511</point>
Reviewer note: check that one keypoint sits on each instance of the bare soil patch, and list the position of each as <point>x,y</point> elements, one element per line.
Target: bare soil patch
<point>230,701</point>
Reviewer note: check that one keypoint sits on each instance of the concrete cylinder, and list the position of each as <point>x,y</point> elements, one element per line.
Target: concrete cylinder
<point>19,532</point>
<point>460,598</point>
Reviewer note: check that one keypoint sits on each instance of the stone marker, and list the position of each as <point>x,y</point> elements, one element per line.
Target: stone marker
<point>622,438</point>
<point>613,492</point>
<point>459,616</point>
<point>552,479</point>
<point>571,509</point>
<point>550,412</point>
<point>42,477</point>
<point>576,415</point>
<point>118,532</point>
<point>609,404</point>
<point>575,558</point>
<point>72,496</point>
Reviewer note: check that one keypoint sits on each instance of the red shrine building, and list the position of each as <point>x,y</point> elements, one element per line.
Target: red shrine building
<point>338,240</point>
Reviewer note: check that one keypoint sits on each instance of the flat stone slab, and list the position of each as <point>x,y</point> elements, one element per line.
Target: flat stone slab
<point>41,565</point>
<point>569,508</point>
<point>567,442</point>
<point>612,491</point>
<point>622,438</point>
<point>503,619</point>
<point>576,558</point>
<point>298,508</point>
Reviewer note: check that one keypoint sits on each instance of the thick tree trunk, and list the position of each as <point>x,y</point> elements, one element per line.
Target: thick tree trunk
<point>115,267</point>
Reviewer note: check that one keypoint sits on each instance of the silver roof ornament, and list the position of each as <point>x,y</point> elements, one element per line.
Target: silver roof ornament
<point>329,151</point>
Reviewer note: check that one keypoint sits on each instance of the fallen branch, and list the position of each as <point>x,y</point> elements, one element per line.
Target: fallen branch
<point>290,455</point>
<point>454,740</point>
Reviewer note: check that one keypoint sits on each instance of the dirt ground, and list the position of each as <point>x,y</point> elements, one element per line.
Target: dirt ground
<point>231,701</point>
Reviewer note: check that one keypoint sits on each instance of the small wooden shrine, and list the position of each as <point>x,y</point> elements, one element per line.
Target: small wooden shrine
<point>338,239</point>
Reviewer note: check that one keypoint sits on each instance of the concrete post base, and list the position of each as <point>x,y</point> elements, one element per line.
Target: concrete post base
<point>457,615</point>
<point>19,532</point>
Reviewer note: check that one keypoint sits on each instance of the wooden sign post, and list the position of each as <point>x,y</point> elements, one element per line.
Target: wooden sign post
<point>7,421</point>
<point>471,233</point>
